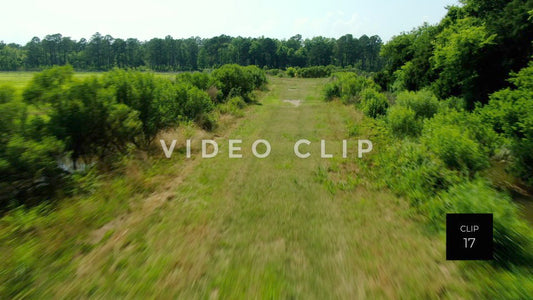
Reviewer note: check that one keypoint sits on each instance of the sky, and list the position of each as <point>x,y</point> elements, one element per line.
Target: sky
<point>20,20</point>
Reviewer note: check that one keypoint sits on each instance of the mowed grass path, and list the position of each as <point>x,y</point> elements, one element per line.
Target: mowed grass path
<point>269,228</point>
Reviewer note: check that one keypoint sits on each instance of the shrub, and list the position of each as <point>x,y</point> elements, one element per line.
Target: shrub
<point>315,71</point>
<point>454,145</point>
<point>423,102</point>
<point>48,85</point>
<point>7,93</point>
<point>197,103</point>
<point>373,103</point>
<point>207,121</point>
<point>28,159</point>
<point>231,79</point>
<point>291,72</point>
<point>456,103</point>
<point>510,112</point>
<point>234,106</point>
<point>411,170</point>
<point>403,122</point>
<point>348,86</point>
<point>332,90</point>
<point>257,75</point>
<point>198,79</point>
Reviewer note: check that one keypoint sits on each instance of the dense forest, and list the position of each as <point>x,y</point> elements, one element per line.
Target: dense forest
<point>105,52</point>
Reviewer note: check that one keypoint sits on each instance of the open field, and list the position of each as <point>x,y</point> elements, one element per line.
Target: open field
<point>250,228</point>
<point>19,80</point>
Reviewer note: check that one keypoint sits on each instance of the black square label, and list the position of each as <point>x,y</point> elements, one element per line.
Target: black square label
<point>469,237</point>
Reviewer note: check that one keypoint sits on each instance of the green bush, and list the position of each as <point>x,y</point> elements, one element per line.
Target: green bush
<point>423,102</point>
<point>409,169</point>
<point>373,103</point>
<point>315,71</point>
<point>232,80</point>
<point>513,239</point>
<point>207,121</point>
<point>291,72</point>
<point>454,145</point>
<point>257,75</point>
<point>348,86</point>
<point>234,106</point>
<point>7,93</point>
<point>198,79</point>
<point>332,90</point>
<point>510,112</point>
<point>28,159</point>
<point>403,121</point>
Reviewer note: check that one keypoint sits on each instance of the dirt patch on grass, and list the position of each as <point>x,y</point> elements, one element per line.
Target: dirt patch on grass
<point>296,103</point>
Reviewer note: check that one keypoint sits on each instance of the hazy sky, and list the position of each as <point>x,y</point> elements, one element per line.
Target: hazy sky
<point>22,19</point>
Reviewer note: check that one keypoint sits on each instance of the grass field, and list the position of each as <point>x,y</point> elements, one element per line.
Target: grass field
<point>19,80</point>
<point>278,227</point>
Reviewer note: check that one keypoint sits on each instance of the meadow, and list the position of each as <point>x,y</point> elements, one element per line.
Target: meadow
<point>438,120</point>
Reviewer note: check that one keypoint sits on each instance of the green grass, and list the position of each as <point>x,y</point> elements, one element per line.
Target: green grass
<point>279,227</point>
<point>19,80</point>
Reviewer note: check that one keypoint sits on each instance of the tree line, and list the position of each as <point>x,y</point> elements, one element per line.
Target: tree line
<point>468,54</point>
<point>103,52</point>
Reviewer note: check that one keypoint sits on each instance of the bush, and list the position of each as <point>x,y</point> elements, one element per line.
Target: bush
<point>423,102</point>
<point>510,112</point>
<point>513,241</point>
<point>257,75</point>
<point>234,106</point>
<point>291,72</point>
<point>315,71</point>
<point>207,121</point>
<point>198,79</point>
<point>7,93</point>
<point>373,103</point>
<point>348,86</point>
<point>332,90</point>
<point>196,104</point>
<point>454,145</point>
<point>403,122</point>
<point>28,159</point>
<point>411,170</point>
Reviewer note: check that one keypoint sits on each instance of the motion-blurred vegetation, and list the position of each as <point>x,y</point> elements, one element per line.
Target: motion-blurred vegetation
<point>98,119</point>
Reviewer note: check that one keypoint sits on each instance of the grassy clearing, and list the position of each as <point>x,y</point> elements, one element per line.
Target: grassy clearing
<point>279,227</point>
<point>19,80</point>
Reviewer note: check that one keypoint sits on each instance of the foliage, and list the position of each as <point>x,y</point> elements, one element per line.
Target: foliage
<point>410,169</point>
<point>104,52</point>
<point>348,86</point>
<point>258,76</point>
<point>97,119</point>
<point>454,145</point>
<point>423,103</point>
<point>314,71</point>
<point>403,121</point>
<point>28,159</point>
<point>458,49</point>
<point>233,106</point>
<point>468,55</point>
<point>510,112</point>
<point>291,72</point>
<point>233,80</point>
<point>513,241</point>
<point>373,103</point>
<point>200,80</point>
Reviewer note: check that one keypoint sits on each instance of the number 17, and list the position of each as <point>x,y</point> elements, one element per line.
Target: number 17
<point>469,241</point>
